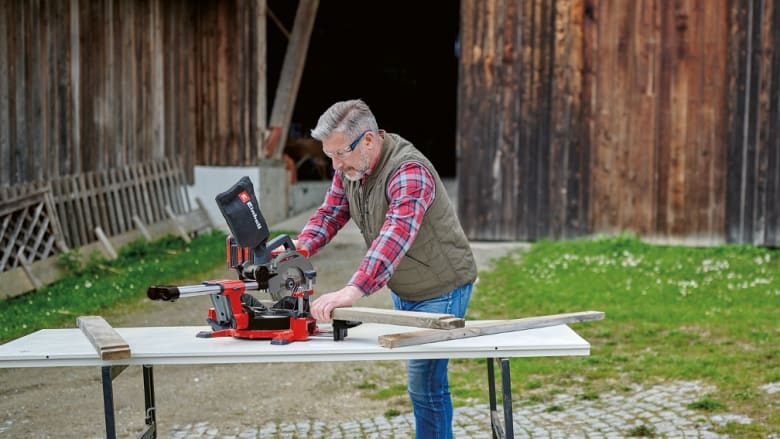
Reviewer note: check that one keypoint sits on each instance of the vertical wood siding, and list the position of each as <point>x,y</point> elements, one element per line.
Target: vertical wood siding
<point>521,169</point>
<point>657,117</point>
<point>92,85</point>
<point>658,111</point>
<point>753,184</point>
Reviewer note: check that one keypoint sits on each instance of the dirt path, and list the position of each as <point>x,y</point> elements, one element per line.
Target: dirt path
<point>67,402</point>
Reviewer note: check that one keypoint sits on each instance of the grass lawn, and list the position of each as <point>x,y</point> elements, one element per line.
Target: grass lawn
<point>672,314</point>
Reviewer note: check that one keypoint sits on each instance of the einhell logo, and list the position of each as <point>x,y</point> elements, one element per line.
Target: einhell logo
<point>245,198</point>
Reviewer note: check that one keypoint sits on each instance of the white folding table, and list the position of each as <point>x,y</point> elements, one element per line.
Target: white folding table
<point>151,346</point>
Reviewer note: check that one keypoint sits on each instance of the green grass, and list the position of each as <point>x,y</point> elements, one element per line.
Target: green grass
<point>101,284</point>
<point>672,313</point>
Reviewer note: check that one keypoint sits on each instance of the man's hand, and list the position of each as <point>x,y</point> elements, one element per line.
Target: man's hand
<point>281,247</point>
<point>323,306</point>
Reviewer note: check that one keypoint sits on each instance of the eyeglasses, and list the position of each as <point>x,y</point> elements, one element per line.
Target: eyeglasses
<point>340,154</point>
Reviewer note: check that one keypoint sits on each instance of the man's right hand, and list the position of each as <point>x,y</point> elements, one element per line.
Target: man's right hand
<point>281,247</point>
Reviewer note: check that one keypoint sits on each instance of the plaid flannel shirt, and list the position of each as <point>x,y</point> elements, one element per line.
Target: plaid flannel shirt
<point>410,191</point>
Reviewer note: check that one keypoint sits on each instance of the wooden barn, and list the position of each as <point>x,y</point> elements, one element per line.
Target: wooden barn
<point>558,118</point>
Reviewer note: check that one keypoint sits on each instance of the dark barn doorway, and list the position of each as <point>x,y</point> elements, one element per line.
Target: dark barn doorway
<point>398,56</point>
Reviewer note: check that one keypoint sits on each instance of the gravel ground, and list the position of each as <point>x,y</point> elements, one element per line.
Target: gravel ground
<point>311,400</point>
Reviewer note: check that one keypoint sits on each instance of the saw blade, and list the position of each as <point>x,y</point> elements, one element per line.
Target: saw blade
<point>289,265</point>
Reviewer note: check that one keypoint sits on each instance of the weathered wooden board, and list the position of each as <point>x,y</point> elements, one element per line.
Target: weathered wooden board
<point>430,336</point>
<point>108,343</point>
<point>398,317</point>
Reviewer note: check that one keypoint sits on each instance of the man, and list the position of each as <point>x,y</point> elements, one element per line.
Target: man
<point>416,245</point>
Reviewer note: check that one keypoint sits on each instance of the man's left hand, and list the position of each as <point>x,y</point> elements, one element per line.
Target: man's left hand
<point>323,306</point>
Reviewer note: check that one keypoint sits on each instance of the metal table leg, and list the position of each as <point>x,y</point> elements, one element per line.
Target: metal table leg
<point>506,395</point>
<point>150,432</point>
<point>108,374</point>
<point>108,401</point>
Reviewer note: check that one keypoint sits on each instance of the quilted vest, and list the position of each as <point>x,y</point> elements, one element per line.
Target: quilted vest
<point>440,259</point>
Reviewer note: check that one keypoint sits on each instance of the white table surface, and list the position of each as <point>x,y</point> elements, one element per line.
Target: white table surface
<point>179,345</point>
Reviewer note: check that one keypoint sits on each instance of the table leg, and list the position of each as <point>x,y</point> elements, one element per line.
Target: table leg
<point>506,389</point>
<point>151,416</point>
<point>108,401</point>
<point>108,375</point>
<point>506,394</point>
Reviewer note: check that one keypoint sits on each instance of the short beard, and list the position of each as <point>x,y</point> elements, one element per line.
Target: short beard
<point>365,163</point>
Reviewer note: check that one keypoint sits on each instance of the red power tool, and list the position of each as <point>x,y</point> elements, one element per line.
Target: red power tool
<point>275,267</point>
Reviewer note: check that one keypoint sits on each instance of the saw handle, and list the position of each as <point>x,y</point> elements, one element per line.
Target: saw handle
<point>281,240</point>
<point>167,293</point>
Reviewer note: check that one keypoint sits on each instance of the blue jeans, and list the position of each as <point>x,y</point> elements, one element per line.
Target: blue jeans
<point>429,387</point>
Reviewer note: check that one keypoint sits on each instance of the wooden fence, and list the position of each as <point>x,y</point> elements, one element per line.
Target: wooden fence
<point>111,199</point>
<point>29,229</point>
<point>97,211</point>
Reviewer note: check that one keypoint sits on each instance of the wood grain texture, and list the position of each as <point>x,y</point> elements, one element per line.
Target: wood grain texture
<point>93,85</point>
<point>398,317</point>
<point>430,336</point>
<point>107,342</point>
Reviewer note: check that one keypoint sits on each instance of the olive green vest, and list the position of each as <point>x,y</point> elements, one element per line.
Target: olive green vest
<point>440,259</point>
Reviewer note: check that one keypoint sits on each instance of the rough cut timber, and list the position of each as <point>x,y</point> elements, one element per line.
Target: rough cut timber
<point>398,317</point>
<point>430,336</point>
<point>108,343</point>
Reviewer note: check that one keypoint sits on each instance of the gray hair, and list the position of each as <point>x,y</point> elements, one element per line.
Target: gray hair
<point>348,117</point>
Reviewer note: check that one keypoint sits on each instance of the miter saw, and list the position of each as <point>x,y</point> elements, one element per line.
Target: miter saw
<point>275,267</point>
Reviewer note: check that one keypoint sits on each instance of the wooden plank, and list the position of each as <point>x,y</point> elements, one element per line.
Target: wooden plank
<point>202,208</point>
<point>75,78</point>
<point>292,71</point>
<point>6,165</point>
<point>128,189</point>
<point>179,227</point>
<point>141,228</point>
<point>82,207</point>
<point>55,222</point>
<point>107,201</point>
<point>398,317</point>
<point>26,266</point>
<point>20,141</point>
<point>257,123</point>
<point>101,214</point>
<point>119,208</point>
<point>172,187</point>
<point>107,342</point>
<point>487,328</point>
<point>142,194</point>
<point>110,252</point>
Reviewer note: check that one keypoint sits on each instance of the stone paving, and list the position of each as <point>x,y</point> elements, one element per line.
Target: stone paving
<point>660,409</point>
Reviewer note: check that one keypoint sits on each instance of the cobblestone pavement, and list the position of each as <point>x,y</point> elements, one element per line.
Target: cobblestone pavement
<point>661,408</point>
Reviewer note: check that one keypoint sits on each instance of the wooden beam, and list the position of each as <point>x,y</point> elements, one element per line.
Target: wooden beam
<point>139,225</point>
<point>179,226</point>
<point>431,336</point>
<point>398,317</point>
<point>259,124</point>
<point>106,243</point>
<point>108,343</point>
<point>292,71</point>
<point>27,267</point>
